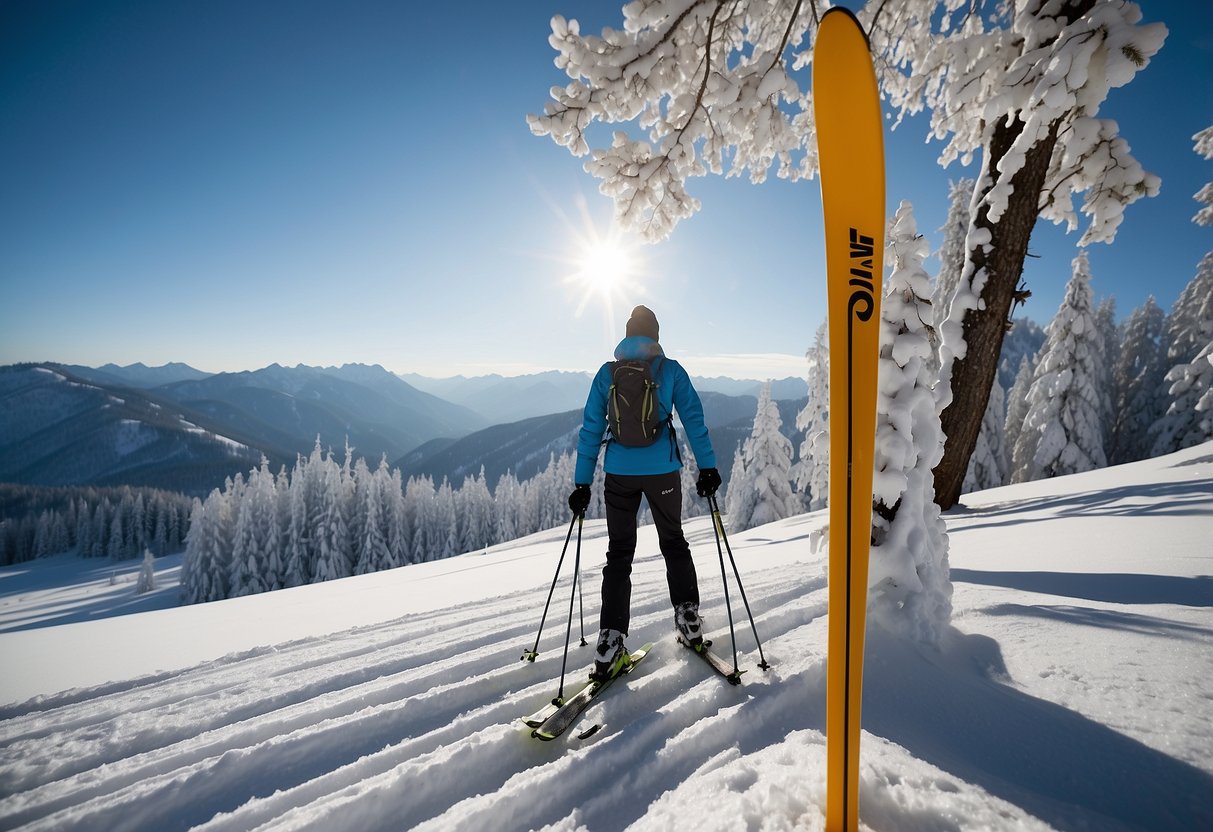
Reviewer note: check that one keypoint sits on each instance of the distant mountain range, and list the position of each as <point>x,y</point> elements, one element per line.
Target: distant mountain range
<point>286,408</point>
<point>137,375</point>
<point>782,389</point>
<point>502,399</point>
<point>524,447</point>
<point>57,428</point>
<point>180,428</point>
<point>510,398</point>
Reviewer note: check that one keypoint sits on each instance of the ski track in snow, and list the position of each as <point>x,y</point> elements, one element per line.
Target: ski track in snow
<point>349,730</point>
<point>414,722</point>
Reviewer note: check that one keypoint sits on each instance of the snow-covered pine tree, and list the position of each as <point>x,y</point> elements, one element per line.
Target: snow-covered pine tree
<point>147,574</point>
<point>397,525</point>
<point>256,548</point>
<point>371,549</point>
<point>1109,341</point>
<point>206,566</point>
<point>84,529</point>
<point>444,536</point>
<point>157,530</point>
<point>1187,332</point>
<point>329,533</point>
<point>1187,328</point>
<point>767,460</point>
<point>117,533</point>
<point>418,504</point>
<point>1135,382</point>
<point>1017,408</point>
<point>358,481</point>
<point>506,506</point>
<point>474,507</point>
<point>692,504</point>
<point>101,524</point>
<point>188,580</point>
<point>597,509</point>
<point>138,527</point>
<point>911,591</point>
<point>1189,418</point>
<point>42,535</point>
<point>297,559</point>
<point>989,466</point>
<point>812,472</point>
<point>1023,341</point>
<point>1063,431</point>
<point>739,493</point>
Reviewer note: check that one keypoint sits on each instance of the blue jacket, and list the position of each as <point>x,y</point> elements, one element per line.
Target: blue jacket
<point>674,393</point>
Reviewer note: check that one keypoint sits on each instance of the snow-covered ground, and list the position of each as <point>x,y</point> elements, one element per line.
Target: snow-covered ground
<point>1074,692</point>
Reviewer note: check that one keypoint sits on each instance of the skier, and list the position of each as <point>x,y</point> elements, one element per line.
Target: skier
<point>651,470</point>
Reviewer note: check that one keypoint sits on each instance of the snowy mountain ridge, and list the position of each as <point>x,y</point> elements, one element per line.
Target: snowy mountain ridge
<point>57,428</point>
<point>1071,691</point>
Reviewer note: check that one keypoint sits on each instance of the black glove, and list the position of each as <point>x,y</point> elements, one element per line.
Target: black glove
<point>708,482</point>
<point>579,500</point>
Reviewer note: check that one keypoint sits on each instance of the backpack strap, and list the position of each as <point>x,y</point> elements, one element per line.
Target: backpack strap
<point>675,452</point>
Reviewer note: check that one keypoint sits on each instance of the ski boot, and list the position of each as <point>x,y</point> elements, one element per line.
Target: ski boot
<point>689,625</point>
<point>611,657</point>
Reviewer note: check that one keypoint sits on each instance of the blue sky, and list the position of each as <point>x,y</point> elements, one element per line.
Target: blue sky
<point>235,184</point>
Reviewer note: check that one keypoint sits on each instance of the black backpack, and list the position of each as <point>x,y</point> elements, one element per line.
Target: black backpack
<point>633,416</point>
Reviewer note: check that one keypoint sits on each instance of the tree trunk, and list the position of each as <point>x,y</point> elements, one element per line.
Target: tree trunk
<point>973,375</point>
<point>984,328</point>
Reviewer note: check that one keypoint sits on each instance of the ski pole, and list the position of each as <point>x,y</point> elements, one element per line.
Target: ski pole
<point>530,655</point>
<point>720,525</point>
<point>718,528</point>
<point>580,593</point>
<point>559,700</point>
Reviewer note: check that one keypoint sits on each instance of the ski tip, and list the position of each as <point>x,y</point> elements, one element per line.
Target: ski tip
<point>838,11</point>
<point>589,732</point>
<point>635,656</point>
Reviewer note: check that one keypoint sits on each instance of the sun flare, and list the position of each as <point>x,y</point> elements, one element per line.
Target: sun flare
<point>605,267</point>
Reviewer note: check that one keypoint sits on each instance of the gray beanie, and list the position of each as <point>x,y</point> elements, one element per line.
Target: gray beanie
<point>643,322</point>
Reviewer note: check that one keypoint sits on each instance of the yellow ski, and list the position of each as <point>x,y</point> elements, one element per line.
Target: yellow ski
<point>846,107</point>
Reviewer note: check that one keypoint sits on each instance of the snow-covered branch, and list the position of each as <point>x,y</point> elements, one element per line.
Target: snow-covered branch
<point>1204,146</point>
<point>706,83</point>
<point>1050,69</point>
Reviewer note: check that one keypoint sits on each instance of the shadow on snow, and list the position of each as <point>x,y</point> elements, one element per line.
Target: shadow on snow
<point>950,710</point>
<point>1116,588</point>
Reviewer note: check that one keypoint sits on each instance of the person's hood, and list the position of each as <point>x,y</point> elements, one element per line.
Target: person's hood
<point>637,348</point>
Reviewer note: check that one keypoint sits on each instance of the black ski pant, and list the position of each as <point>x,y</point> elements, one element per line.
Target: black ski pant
<point>664,494</point>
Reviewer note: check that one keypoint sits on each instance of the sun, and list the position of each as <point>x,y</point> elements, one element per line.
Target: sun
<point>601,266</point>
<point>605,266</point>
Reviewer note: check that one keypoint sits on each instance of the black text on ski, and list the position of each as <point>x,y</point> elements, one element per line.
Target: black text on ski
<point>862,252</point>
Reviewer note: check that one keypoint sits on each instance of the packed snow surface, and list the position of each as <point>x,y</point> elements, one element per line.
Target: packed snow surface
<point>1072,692</point>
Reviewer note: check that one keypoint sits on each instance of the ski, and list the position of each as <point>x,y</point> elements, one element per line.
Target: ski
<point>565,715</point>
<point>541,716</point>
<point>850,146</point>
<point>714,661</point>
